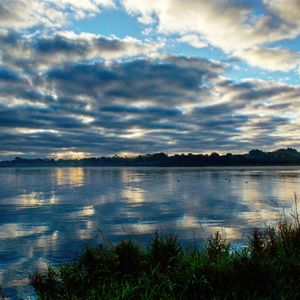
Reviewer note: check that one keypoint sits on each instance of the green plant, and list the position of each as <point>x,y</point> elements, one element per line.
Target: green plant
<point>164,251</point>
<point>128,258</point>
<point>216,246</point>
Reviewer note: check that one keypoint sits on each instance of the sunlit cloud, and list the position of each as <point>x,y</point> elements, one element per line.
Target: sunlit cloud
<point>273,58</point>
<point>193,40</point>
<point>233,26</point>
<point>22,14</point>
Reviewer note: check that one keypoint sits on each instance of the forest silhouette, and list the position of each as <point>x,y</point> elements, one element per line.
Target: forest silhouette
<point>287,156</point>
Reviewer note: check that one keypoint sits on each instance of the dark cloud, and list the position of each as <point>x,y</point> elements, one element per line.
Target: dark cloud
<point>43,51</point>
<point>152,110</point>
<point>7,74</point>
<point>258,93</point>
<point>86,46</point>
<point>163,80</point>
<point>213,110</point>
<point>167,103</point>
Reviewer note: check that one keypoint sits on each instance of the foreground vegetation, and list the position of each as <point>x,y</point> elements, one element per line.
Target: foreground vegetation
<point>267,268</point>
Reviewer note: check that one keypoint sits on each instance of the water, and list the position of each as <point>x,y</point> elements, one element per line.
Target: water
<point>48,214</point>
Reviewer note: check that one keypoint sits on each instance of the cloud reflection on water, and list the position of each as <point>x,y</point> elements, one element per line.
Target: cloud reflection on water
<point>44,211</point>
<point>70,176</point>
<point>14,230</point>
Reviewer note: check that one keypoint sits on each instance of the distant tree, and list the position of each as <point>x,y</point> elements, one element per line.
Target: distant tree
<point>215,155</point>
<point>256,153</point>
<point>292,150</point>
<point>279,157</point>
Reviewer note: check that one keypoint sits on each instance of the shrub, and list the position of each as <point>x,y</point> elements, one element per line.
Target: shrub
<point>128,258</point>
<point>164,251</point>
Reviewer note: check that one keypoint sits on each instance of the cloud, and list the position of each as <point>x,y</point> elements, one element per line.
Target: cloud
<point>62,91</point>
<point>41,51</point>
<point>25,14</point>
<point>167,103</point>
<point>274,59</point>
<point>168,80</point>
<point>288,11</point>
<point>244,29</point>
<point>224,24</point>
<point>235,27</point>
<point>192,40</point>
<point>86,46</point>
<point>8,75</point>
<point>146,11</point>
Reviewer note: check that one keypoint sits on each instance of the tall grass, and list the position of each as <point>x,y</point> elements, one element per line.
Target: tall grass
<point>267,268</point>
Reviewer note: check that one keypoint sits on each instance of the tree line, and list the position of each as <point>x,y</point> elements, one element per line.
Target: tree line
<point>287,156</point>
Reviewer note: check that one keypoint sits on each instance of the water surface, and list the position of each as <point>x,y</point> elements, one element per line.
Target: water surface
<point>48,214</point>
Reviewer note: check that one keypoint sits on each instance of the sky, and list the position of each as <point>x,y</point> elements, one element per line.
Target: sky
<point>82,78</point>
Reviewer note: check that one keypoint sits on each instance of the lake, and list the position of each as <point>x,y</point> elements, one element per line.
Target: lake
<point>48,214</point>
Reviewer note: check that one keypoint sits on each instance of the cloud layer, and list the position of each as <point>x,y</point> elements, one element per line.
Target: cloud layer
<point>66,92</point>
<point>172,104</point>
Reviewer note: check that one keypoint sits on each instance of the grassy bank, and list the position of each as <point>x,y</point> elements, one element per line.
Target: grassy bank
<point>267,268</point>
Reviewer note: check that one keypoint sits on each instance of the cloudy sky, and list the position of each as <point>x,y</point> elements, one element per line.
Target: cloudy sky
<point>104,77</point>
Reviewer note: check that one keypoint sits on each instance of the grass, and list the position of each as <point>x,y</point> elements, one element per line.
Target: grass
<point>267,268</point>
